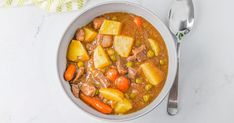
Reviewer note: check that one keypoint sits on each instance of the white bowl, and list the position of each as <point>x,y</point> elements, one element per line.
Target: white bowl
<point>100,9</point>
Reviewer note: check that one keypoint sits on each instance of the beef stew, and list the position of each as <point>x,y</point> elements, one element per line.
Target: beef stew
<point>117,63</point>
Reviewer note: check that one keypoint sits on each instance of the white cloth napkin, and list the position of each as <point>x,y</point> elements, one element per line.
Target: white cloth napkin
<point>48,5</point>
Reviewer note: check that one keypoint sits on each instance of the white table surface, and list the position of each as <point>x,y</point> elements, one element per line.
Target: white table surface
<point>30,91</point>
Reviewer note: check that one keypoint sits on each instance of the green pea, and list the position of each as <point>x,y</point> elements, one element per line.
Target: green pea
<point>114,18</point>
<point>148,87</point>
<point>142,103</point>
<point>138,80</point>
<point>146,98</point>
<point>111,51</point>
<point>80,64</point>
<point>103,70</point>
<point>137,63</point>
<point>150,54</point>
<point>162,62</point>
<point>138,43</point>
<point>132,95</point>
<point>97,85</point>
<point>144,25</point>
<point>129,64</point>
<point>113,58</point>
<point>126,95</point>
<point>96,92</point>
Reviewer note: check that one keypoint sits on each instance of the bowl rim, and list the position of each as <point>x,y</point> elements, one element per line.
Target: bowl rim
<point>153,16</point>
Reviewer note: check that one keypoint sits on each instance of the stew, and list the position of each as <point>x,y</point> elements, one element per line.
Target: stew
<point>117,63</point>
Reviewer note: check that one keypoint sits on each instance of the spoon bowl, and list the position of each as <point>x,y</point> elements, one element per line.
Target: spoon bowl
<point>181,17</point>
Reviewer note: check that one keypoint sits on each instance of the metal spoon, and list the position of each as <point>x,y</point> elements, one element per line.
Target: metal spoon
<point>181,21</point>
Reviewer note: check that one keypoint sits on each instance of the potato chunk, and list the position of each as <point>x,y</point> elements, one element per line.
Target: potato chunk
<point>76,51</point>
<point>155,46</point>
<point>90,34</point>
<point>112,94</point>
<point>110,27</point>
<point>123,45</point>
<point>101,59</point>
<point>152,74</point>
<point>123,106</point>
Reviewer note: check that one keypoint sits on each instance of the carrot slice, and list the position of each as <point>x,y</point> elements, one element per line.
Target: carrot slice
<point>138,21</point>
<point>122,83</point>
<point>69,73</point>
<point>97,104</point>
<point>112,74</point>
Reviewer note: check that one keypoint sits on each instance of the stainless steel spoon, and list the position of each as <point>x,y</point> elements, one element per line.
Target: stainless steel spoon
<point>181,21</point>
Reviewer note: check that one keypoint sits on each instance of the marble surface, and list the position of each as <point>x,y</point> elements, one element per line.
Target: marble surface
<point>30,91</point>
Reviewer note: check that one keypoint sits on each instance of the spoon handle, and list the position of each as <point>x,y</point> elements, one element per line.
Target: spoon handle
<point>172,105</point>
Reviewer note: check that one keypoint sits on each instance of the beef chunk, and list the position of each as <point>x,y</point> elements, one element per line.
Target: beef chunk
<point>79,75</point>
<point>139,54</point>
<point>99,77</point>
<point>88,89</point>
<point>120,67</point>
<point>80,35</point>
<point>104,40</point>
<point>97,22</point>
<point>107,41</point>
<point>75,90</point>
<point>132,73</point>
